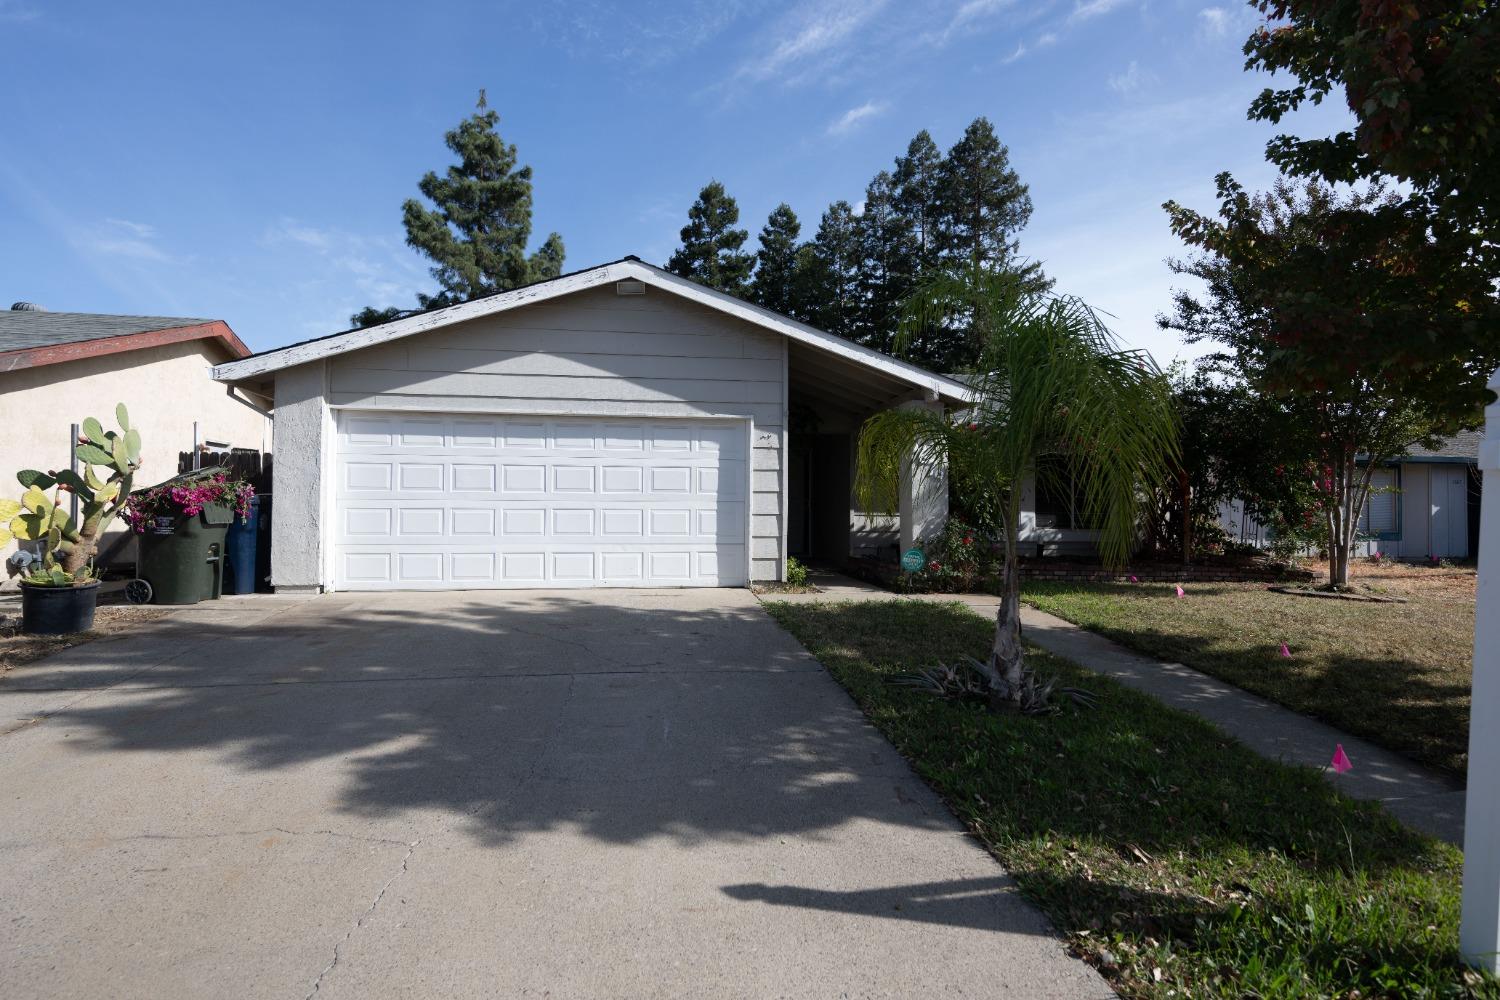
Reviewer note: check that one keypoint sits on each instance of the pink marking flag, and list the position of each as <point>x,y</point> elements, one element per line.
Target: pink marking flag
<point>1286,652</point>
<point>1341,761</point>
<point>1180,591</point>
<point>1134,578</point>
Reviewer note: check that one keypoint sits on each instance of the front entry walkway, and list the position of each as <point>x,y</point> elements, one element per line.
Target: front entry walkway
<point>1419,797</point>
<point>563,794</point>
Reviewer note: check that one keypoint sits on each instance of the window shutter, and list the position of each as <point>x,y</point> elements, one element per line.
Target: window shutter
<point>1380,509</point>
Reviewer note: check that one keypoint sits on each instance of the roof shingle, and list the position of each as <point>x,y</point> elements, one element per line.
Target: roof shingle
<point>22,330</point>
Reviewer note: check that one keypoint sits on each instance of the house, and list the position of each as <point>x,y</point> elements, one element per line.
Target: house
<point>1423,505</point>
<point>57,368</point>
<point>618,426</point>
<point>1426,503</point>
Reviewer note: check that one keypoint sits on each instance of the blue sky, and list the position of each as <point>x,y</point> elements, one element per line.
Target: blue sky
<point>248,161</point>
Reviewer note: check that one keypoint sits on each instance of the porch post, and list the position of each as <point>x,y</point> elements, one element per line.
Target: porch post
<point>924,493</point>
<point>1479,933</point>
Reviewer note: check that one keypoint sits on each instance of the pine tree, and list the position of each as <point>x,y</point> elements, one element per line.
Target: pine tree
<point>477,230</point>
<point>830,289</point>
<point>776,261</point>
<point>982,205</point>
<point>886,243</point>
<point>710,253</point>
<point>917,184</point>
<point>917,181</point>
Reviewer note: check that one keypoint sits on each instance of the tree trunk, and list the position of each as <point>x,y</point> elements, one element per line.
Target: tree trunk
<point>1007,656</point>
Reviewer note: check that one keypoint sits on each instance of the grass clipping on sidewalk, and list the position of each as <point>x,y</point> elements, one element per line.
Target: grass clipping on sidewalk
<point>1174,859</point>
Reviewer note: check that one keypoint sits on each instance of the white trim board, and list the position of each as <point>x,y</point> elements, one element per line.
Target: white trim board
<point>630,268</point>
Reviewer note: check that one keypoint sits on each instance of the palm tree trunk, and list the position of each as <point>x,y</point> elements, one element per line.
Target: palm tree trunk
<point>1007,656</point>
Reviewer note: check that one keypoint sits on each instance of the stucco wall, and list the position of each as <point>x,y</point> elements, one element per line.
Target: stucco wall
<point>165,388</point>
<point>588,354</point>
<point>302,427</point>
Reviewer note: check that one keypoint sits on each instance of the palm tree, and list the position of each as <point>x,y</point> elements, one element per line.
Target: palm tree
<point>1058,398</point>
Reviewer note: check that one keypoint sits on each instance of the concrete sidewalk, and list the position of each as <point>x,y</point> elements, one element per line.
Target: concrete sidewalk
<point>1421,798</point>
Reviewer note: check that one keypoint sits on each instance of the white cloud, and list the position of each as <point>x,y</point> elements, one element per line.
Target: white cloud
<point>1129,81</point>
<point>139,230</point>
<point>1086,10</point>
<point>1213,22</point>
<point>120,238</point>
<point>1020,51</point>
<point>966,15</point>
<point>814,33</point>
<point>17,13</point>
<point>1046,40</point>
<point>854,117</point>
<point>340,263</point>
<point>290,231</point>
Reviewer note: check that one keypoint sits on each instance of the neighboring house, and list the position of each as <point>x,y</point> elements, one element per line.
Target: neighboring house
<point>1422,505</point>
<point>57,368</point>
<point>1426,503</point>
<point>619,426</point>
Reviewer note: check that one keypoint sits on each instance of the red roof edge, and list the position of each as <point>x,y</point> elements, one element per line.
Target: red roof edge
<point>53,354</point>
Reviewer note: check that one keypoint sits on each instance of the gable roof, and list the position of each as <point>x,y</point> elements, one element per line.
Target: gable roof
<point>33,338</point>
<point>1461,447</point>
<point>627,268</point>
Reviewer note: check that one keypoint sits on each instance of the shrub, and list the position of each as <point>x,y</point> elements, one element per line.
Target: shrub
<point>796,573</point>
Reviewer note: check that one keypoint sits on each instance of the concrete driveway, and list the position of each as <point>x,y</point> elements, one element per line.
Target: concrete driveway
<point>559,794</point>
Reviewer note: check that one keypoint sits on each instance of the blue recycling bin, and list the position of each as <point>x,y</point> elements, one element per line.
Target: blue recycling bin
<point>239,550</point>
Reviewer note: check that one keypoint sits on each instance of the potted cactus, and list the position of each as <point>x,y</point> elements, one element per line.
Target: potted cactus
<point>60,595</point>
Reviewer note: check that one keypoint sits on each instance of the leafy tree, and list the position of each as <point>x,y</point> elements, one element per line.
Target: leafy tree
<point>1236,444</point>
<point>776,262</point>
<point>710,253</point>
<point>1423,82</point>
<point>1053,383</point>
<point>982,205</point>
<point>830,278</point>
<point>1294,279</point>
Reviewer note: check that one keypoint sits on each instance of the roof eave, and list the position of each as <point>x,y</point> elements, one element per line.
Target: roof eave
<point>53,354</point>
<point>276,360</point>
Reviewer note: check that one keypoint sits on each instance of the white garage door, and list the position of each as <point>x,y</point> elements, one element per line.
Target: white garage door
<point>439,501</point>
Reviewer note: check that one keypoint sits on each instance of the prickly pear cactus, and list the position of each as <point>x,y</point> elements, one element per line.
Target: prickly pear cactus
<point>109,461</point>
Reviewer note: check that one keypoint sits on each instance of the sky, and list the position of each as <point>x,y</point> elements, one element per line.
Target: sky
<point>248,162</point>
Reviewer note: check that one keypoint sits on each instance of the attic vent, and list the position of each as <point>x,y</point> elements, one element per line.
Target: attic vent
<point>26,307</point>
<point>630,287</point>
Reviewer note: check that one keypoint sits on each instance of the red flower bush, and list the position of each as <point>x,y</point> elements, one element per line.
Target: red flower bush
<point>187,499</point>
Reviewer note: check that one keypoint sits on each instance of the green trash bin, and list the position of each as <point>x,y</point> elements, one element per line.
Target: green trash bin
<point>182,557</point>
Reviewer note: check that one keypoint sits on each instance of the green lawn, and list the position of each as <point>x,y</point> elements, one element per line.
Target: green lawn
<point>1396,674</point>
<point>1172,858</point>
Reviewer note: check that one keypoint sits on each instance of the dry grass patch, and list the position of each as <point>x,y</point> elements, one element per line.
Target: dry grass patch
<point>17,648</point>
<point>1396,674</point>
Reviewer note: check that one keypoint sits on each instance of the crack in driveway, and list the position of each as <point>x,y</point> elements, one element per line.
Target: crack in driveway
<point>318,983</point>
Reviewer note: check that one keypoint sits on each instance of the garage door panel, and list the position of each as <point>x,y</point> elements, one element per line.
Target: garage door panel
<point>437,501</point>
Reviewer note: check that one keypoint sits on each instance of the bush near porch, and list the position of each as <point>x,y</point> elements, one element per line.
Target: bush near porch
<point>1396,674</point>
<point>1175,860</point>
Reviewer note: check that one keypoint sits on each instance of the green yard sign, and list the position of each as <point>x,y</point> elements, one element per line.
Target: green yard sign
<point>913,560</point>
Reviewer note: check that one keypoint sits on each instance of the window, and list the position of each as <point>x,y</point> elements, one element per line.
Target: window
<point>1382,516</point>
<point>1059,501</point>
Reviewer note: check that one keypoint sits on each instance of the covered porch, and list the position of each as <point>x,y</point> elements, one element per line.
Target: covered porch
<point>829,398</point>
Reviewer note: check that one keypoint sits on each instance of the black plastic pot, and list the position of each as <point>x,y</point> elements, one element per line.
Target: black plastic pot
<point>58,610</point>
